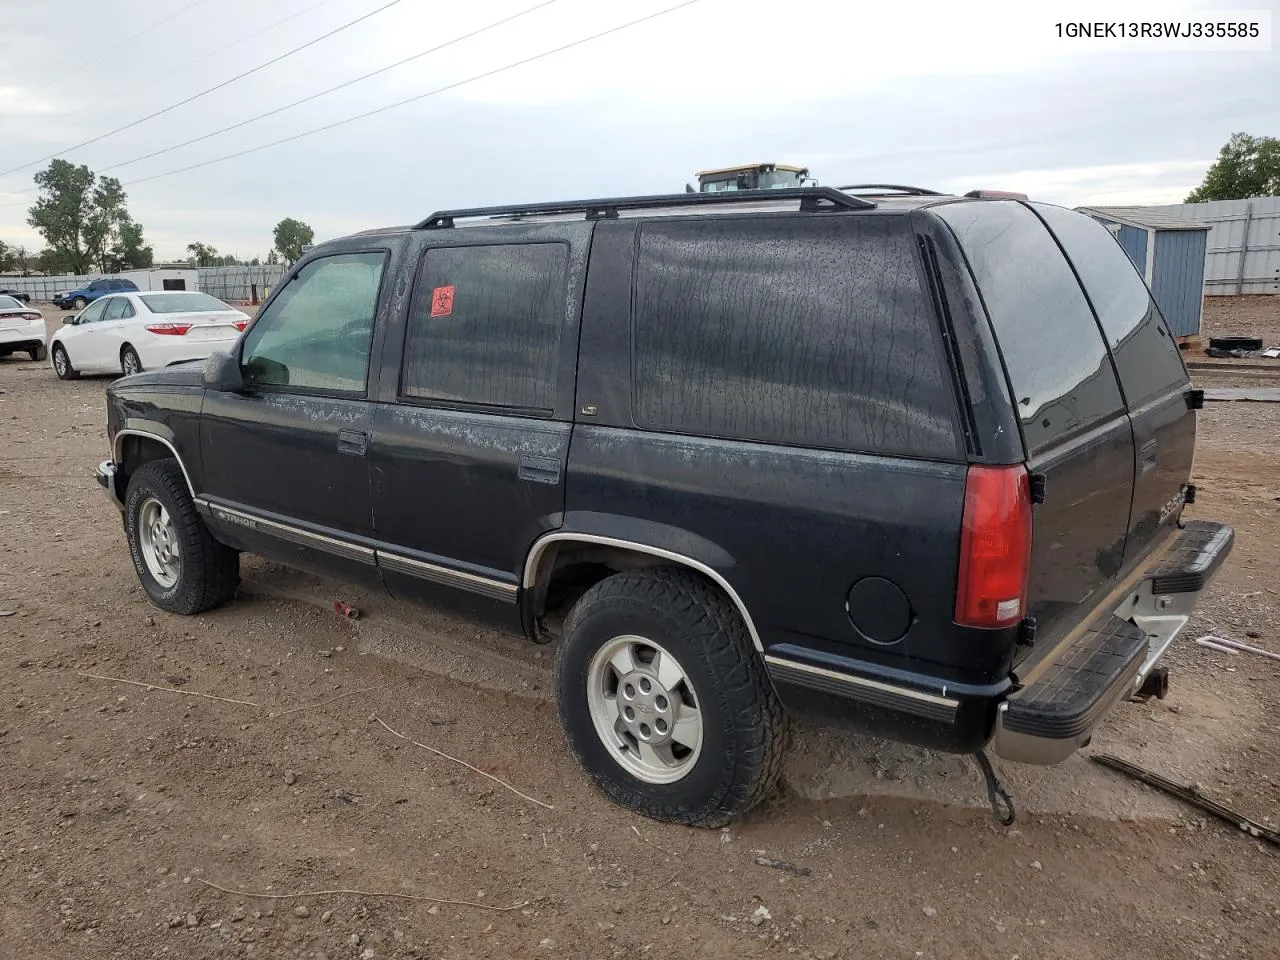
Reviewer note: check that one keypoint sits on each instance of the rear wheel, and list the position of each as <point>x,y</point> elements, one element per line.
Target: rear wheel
<point>39,353</point>
<point>181,566</point>
<point>663,700</point>
<point>62,363</point>
<point>130,362</point>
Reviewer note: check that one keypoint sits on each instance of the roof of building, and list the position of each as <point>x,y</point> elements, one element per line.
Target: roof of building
<point>1147,218</point>
<point>743,167</point>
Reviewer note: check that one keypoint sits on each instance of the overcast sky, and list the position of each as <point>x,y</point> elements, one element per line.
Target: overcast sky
<point>948,95</point>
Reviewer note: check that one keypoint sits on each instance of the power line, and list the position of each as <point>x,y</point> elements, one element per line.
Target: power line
<point>322,93</point>
<point>115,48</point>
<point>420,96</point>
<point>187,64</point>
<point>202,93</point>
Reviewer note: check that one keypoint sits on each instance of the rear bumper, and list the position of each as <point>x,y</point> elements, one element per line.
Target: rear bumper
<point>1056,712</point>
<point>106,477</point>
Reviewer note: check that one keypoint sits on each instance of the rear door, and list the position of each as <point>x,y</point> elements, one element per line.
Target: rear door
<point>1075,427</point>
<point>1152,375</point>
<point>469,446</point>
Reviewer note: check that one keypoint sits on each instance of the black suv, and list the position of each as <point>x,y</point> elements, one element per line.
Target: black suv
<point>914,462</point>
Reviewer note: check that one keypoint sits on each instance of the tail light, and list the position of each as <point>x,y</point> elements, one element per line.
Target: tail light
<point>240,324</point>
<point>33,316</point>
<point>169,329</point>
<point>995,547</point>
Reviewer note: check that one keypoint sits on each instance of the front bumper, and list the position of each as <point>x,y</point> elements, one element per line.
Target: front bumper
<point>1063,701</point>
<point>106,477</point>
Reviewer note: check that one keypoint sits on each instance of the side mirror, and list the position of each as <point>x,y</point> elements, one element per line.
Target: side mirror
<point>222,373</point>
<point>73,319</point>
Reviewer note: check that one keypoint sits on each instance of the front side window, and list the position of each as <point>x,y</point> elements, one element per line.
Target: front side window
<point>484,326</point>
<point>316,333</point>
<point>93,312</point>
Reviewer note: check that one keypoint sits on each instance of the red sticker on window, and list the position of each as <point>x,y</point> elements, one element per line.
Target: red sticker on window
<point>442,301</point>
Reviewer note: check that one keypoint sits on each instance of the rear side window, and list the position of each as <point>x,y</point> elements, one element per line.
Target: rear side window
<point>1057,363</point>
<point>1146,355</point>
<point>796,330</point>
<point>485,323</point>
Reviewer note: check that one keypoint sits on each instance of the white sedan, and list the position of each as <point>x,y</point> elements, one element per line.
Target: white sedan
<point>132,332</point>
<point>21,328</point>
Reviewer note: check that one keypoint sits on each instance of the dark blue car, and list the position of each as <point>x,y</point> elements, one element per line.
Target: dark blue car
<point>79,299</point>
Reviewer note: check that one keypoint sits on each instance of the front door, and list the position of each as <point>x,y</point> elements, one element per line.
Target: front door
<point>469,448</point>
<point>285,459</point>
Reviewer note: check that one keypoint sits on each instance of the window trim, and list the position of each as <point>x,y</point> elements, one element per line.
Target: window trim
<point>252,387</point>
<point>474,406</point>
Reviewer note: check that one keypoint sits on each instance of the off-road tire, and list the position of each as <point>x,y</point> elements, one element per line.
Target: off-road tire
<point>745,727</point>
<point>209,572</point>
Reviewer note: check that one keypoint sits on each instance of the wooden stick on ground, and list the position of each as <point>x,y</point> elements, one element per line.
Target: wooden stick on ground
<point>441,753</point>
<point>1189,794</point>
<point>358,893</point>
<point>152,686</point>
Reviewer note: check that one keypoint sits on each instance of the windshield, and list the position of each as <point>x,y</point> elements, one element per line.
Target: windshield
<point>184,303</point>
<point>8,303</point>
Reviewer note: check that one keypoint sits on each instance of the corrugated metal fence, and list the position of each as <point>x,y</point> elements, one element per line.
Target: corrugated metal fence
<point>225,283</point>
<point>1244,243</point>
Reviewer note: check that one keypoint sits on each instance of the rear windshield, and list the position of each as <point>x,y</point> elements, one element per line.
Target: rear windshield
<point>1146,355</point>
<point>8,303</point>
<point>183,303</point>
<point>1057,363</point>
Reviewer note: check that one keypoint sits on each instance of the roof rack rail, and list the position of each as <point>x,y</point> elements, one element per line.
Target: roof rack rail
<point>812,200</point>
<point>894,188</point>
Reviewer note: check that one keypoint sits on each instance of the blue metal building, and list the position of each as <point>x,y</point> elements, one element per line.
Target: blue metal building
<point>1169,252</point>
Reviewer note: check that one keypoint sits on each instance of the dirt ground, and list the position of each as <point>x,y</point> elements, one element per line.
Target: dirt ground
<point>124,806</point>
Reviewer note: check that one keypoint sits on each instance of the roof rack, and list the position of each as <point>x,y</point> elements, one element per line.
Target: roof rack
<point>893,188</point>
<point>812,200</point>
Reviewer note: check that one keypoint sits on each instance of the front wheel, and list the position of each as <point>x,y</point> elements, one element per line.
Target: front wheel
<point>62,363</point>
<point>181,566</point>
<point>663,700</point>
<point>79,303</point>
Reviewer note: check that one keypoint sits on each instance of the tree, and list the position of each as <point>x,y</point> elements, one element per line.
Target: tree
<point>26,262</point>
<point>291,236</point>
<point>130,252</point>
<point>1246,167</point>
<point>81,217</point>
<point>8,257</point>
<point>202,254</point>
<point>273,257</point>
